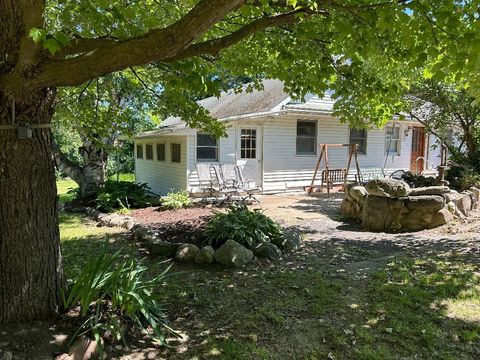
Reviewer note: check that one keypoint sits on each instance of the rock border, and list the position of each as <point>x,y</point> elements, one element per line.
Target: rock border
<point>231,254</point>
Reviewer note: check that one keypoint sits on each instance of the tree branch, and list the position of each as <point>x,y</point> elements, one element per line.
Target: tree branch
<point>106,55</point>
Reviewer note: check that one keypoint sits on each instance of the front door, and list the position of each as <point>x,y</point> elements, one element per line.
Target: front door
<point>250,153</point>
<point>417,160</point>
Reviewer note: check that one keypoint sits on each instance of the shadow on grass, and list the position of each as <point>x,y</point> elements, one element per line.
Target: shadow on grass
<point>310,305</point>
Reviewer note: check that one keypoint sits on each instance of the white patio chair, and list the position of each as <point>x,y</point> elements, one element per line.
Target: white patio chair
<point>227,188</point>
<point>248,186</point>
<point>206,181</point>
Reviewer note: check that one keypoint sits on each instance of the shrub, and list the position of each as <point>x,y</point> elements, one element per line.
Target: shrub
<point>462,178</point>
<point>115,296</point>
<point>416,181</point>
<point>242,225</point>
<point>176,200</point>
<point>122,194</point>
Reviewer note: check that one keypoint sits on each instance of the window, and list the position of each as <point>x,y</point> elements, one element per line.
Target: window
<point>207,148</point>
<point>175,153</point>
<point>248,144</point>
<point>160,152</point>
<point>359,137</point>
<point>139,151</point>
<point>392,139</point>
<point>149,152</point>
<point>306,137</point>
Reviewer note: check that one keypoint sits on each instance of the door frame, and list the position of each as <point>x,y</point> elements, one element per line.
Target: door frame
<point>422,143</point>
<point>259,147</point>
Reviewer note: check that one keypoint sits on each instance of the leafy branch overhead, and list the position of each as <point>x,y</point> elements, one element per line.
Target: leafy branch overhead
<point>367,51</point>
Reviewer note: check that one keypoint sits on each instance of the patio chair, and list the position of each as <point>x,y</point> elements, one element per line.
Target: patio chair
<point>227,188</point>
<point>229,174</point>
<point>247,185</point>
<point>206,181</point>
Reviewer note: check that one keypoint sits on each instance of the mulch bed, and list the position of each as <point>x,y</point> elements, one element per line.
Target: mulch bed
<point>176,226</point>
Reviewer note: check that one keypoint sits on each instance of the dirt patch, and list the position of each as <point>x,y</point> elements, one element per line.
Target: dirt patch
<point>176,226</point>
<point>155,216</point>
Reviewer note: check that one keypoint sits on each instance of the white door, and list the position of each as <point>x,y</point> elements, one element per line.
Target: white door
<point>250,153</point>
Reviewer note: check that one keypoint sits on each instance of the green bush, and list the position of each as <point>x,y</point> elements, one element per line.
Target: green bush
<point>176,200</point>
<point>122,194</point>
<point>242,225</point>
<point>115,296</point>
<point>462,178</point>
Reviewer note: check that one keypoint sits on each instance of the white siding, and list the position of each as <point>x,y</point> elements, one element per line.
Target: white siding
<point>226,151</point>
<point>283,169</point>
<point>162,176</point>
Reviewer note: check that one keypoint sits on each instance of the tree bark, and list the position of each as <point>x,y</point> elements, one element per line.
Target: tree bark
<point>31,275</point>
<point>92,176</point>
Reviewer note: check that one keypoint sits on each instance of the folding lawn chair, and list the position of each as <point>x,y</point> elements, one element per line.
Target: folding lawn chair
<point>247,185</point>
<point>227,187</point>
<point>206,181</point>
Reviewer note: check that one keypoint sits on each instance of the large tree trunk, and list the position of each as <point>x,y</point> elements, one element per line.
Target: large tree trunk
<point>92,176</point>
<point>30,260</point>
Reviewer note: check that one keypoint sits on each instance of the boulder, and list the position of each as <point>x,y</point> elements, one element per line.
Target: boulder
<point>6,355</point>
<point>159,247</point>
<point>205,255</point>
<point>118,220</point>
<point>267,250</point>
<point>291,240</point>
<point>441,218</point>
<point>139,232</point>
<point>382,213</point>
<point>356,192</point>
<point>388,188</point>
<point>430,190</point>
<point>463,203</point>
<point>233,254</point>
<point>476,193</point>
<point>186,253</point>
<point>351,209</point>
<point>425,203</point>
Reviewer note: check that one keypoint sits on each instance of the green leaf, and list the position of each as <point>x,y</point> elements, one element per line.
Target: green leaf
<point>51,45</point>
<point>37,35</point>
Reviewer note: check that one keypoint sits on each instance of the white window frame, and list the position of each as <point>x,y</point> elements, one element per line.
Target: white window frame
<point>394,139</point>
<point>297,137</point>
<point>249,149</point>
<point>216,147</point>
<point>365,139</point>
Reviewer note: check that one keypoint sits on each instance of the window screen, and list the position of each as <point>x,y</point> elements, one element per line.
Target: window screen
<point>149,152</point>
<point>139,151</point>
<point>306,137</point>
<point>207,147</point>
<point>161,152</point>
<point>176,157</point>
<point>359,137</point>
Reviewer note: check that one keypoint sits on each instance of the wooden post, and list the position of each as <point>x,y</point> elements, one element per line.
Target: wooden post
<point>327,175</point>
<point>316,169</point>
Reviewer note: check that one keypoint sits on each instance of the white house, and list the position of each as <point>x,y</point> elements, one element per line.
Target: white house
<point>276,141</point>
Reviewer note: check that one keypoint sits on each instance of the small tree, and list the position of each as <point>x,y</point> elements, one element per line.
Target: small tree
<point>453,115</point>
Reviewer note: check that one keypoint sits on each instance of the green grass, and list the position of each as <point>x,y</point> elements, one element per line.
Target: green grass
<point>413,308</point>
<point>63,188</point>
<point>123,177</point>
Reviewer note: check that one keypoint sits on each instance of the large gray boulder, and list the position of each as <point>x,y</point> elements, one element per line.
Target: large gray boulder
<point>382,213</point>
<point>291,240</point>
<point>356,192</point>
<point>233,254</point>
<point>205,255</point>
<point>116,220</point>
<point>430,190</point>
<point>186,253</point>
<point>159,247</point>
<point>267,250</point>
<point>390,188</point>
<point>425,203</point>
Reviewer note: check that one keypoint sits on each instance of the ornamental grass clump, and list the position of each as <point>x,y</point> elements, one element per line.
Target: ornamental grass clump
<point>247,227</point>
<point>115,295</point>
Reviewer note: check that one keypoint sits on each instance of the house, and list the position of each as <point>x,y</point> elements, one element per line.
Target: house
<point>276,141</point>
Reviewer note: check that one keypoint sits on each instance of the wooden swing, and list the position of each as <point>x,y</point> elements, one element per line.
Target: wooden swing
<point>332,177</point>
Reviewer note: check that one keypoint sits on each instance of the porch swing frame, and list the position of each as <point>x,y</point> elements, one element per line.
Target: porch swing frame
<point>353,151</point>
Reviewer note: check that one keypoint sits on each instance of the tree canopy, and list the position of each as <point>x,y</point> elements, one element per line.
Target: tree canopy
<point>367,51</point>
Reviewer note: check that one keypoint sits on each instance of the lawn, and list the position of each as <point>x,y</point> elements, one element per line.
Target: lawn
<point>311,305</point>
